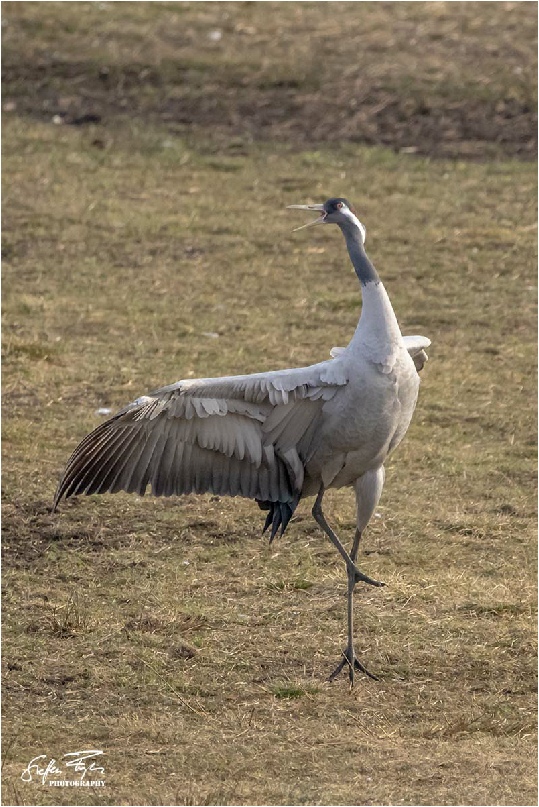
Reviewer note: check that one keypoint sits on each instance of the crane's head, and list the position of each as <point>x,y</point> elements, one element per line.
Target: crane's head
<point>334,211</point>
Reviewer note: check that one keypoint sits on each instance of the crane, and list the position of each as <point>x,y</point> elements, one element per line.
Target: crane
<point>275,437</point>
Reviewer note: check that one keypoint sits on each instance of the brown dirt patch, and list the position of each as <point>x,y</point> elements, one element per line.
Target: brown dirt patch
<point>440,79</point>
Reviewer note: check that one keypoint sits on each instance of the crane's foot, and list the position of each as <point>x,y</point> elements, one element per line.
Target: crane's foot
<point>359,577</point>
<point>352,663</point>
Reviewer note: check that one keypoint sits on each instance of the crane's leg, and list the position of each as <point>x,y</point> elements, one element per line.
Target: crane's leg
<point>320,519</point>
<point>349,657</point>
<point>368,491</point>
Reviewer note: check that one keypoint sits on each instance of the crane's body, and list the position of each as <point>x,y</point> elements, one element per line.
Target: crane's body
<point>275,437</point>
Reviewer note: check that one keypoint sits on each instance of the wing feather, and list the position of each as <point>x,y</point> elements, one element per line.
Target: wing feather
<point>122,463</point>
<point>238,435</point>
<point>140,469</point>
<point>80,460</point>
<point>113,461</point>
<point>173,480</point>
<point>84,465</point>
<point>164,467</point>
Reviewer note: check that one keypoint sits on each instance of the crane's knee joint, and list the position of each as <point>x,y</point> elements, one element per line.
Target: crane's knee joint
<point>317,506</point>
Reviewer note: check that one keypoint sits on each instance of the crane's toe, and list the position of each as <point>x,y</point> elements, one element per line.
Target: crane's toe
<point>360,577</point>
<point>350,660</point>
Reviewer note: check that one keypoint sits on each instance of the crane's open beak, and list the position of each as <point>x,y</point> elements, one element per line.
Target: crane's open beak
<point>320,220</point>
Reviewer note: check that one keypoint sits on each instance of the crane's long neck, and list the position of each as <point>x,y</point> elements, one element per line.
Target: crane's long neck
<point>354,241</point>
<point>377,334</point>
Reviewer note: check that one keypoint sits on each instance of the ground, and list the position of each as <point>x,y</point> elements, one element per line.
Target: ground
<point>149,153</point>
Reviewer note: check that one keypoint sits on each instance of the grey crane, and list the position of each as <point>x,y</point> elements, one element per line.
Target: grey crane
<point>275,437</point>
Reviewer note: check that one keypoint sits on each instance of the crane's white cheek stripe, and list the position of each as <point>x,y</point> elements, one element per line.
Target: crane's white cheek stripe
<point>357,223</point>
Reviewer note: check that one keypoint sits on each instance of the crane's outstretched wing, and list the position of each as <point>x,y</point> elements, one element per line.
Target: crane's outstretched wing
<point>238,436</point>
<point>415,345</point>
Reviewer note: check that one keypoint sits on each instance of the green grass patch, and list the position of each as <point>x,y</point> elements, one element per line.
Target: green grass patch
<point>291,692</point>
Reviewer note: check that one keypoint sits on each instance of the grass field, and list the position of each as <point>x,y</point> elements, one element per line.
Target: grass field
<point>147,166</point>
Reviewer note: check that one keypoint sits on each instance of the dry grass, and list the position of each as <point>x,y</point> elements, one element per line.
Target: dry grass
<point>451,79</point>
<point>166,632</point>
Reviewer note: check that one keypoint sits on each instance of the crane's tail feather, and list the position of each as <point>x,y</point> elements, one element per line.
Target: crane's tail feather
<point>279,514</point>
